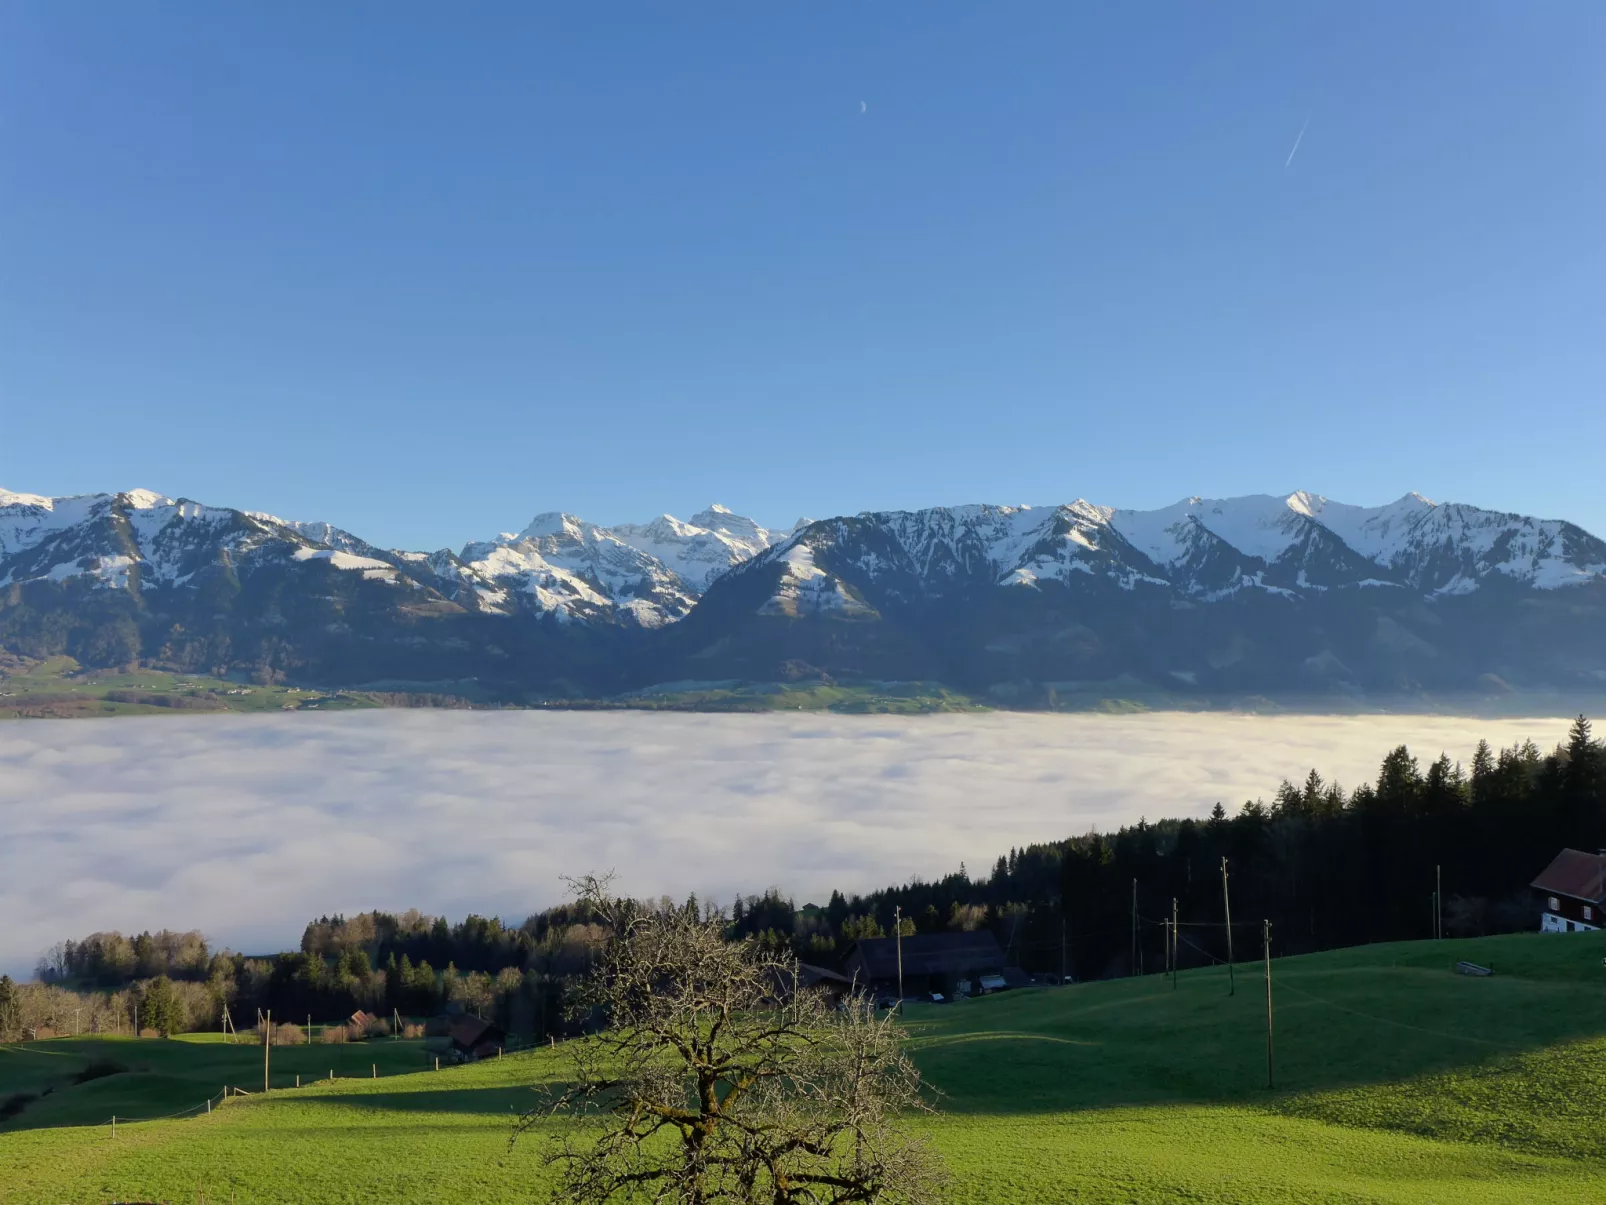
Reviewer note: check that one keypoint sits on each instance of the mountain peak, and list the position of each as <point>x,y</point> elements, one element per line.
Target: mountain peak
<point>7,498</point>
<point>553,523</point>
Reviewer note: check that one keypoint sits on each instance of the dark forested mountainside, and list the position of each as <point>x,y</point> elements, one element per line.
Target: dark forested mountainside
<point>1208,603</point>
<point>1328,867</point>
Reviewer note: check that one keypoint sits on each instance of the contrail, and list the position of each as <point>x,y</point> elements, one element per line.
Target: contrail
<point>1297,141</point>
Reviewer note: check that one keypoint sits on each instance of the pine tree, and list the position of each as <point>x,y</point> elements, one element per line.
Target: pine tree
<point>1313,791</point>
<point>159,1007</point>
<point>1483,772</point>
<point>1400,779</point>
<point>1582,759</point>
<point>1578,738</point>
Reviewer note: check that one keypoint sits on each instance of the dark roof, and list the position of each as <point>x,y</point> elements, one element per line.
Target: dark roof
<point>469,1032</point>
<point>1575,873</point>
<point>930,954</point>
<point>809,975</point>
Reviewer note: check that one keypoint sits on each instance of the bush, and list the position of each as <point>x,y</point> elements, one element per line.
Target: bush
<point>289,1034</point>
<point>335,1034</point>
<point>411,1029</point>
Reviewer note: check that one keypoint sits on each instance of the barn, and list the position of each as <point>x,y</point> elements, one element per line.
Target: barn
<point>475,1038</point>
<point>1572,892</point>
<point>932,962</point>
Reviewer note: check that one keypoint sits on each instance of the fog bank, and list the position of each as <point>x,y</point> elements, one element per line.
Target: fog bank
<point>246,827</point>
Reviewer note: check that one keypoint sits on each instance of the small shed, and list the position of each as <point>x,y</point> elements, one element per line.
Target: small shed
<point>476,1038</point>
<point>1572,892</point>
<point>932,962</point>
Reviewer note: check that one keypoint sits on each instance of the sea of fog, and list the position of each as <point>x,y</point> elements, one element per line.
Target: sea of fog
<point>246,827</point>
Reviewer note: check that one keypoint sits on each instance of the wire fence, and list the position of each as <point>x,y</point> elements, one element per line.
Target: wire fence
<point>205,1107</point>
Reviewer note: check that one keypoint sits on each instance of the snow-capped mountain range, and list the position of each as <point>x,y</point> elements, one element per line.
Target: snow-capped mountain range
<point>1204,550</point>
<point>999,578</point>
<point>648,574</point>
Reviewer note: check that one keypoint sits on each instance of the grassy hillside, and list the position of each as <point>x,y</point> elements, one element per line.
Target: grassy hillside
<point>1397,1081</point>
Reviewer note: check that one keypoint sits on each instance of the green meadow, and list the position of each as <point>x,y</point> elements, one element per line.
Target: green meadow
<point>58,687</point>
<point>1397,1080</point>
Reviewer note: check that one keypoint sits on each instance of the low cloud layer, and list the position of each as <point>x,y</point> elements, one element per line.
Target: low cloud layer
<point>246,827</point>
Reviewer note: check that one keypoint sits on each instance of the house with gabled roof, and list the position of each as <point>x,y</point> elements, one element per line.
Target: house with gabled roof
<point>1572,892</point>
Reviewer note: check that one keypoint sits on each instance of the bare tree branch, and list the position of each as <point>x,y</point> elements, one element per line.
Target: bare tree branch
<point>710,1078</point>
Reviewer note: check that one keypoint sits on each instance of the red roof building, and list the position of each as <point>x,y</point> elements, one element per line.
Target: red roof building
<point>1572,892</point>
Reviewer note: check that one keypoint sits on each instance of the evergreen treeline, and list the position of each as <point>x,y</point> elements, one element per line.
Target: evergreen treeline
<point>1328,867</point>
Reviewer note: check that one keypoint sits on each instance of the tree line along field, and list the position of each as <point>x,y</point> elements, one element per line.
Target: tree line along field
<point>1397,1081</point>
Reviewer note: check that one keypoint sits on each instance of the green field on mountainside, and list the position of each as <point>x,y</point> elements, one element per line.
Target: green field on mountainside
<point>1397,1081</point>
<point>58,688</point>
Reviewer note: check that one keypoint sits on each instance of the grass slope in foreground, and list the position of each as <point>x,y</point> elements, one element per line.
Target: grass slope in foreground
<point>1398,1081</point>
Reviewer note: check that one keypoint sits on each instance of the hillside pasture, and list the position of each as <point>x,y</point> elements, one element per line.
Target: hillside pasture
<point>1397,1081</point>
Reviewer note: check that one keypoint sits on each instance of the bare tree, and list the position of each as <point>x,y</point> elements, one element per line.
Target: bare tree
<point>713,1079</point>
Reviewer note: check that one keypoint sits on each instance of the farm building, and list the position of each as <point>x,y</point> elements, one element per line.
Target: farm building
<point>826,982</point>
<point>1572,892</point>
<point>808,978</point>
<point>475,1038</point>
<point>932,962</point>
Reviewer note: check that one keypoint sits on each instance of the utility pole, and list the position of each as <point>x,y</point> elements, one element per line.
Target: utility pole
<point>1438,901</point>
<point>267,1045</point>
<point>1134,926</point>
<point>1266,936</point>
<point>1062,944</point>
<point>897,921</point>
<point>1176,948</point>
<point>1226,903</point>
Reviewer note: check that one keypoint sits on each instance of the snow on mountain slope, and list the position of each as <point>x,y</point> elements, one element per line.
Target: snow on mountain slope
<point>806,589</point>
<point>654,573</point>
<point>1259,525</point>
<point>700,550</point>
<point>648,574</point>
<point>105,536</point>
<point>325,534</point>
<point>1376,532</point>
<point>1204,549</point>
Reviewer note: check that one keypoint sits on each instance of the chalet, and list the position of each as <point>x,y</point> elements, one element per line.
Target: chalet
<point>1572,892</point>
<point>475,1038</point>
<point>932,962</point>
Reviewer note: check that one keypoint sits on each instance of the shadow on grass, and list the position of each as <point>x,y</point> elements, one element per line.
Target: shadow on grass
<point>1144,1042</point>
<point>500,1101</point>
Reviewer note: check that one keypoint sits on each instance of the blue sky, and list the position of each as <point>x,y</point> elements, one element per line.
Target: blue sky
<point>425,270</point>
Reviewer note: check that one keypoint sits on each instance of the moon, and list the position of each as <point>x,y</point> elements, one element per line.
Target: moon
<point>863,108</point>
